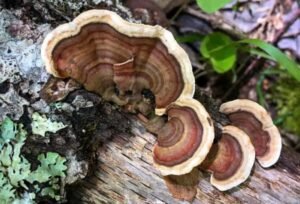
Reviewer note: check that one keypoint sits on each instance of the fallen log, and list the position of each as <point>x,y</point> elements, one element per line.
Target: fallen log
<point>124,174</point>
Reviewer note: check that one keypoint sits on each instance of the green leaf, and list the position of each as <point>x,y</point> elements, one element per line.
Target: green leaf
<point>275,54</point>
<point>52,165</point>
<point>220,50</point>
<point>260,53</point>
<point>189,38</point>
<point>8,131</point>
<point>212,5</point>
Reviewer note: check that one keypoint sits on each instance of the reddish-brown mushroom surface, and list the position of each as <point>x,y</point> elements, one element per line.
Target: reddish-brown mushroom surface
<point>125,62</point>
<point>185,140</point>
<point>254,120</point>
<point>104,53</point>
<point>230,160</point>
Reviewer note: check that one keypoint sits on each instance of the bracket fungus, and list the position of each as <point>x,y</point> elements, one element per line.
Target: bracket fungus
<point>141,68</point>
<point>230,160</point>
<point>96,45</point>
<point>254,120</point>
<point>185,140</point>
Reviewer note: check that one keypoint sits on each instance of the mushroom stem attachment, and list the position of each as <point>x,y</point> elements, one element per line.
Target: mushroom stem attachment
<point>110,95</point>
<point>154,124</point>
<point>230,160</point>
<point>183,187</point>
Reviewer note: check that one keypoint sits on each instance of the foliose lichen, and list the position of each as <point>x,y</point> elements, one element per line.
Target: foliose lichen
<point>18,182</point>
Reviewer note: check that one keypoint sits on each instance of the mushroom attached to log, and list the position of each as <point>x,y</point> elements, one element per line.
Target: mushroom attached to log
<point>254,120</point>
<point>230,159</point>
<point>100,50</point>
<point>185,140</point>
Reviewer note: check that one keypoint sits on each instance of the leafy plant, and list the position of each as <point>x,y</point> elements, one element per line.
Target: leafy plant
<point>212,5</point>
<point>276,55</point>
<point>222,52</point>
<point>15,169</point>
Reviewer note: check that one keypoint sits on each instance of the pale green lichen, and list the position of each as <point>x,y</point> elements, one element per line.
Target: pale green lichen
<point>52,165</point>
<point>15,170</point>
<point>40,125</point>
<point>7,191</point>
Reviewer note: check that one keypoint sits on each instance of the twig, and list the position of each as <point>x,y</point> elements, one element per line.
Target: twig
<point>257,64</point>
<point>216,22</point>
<point>200,74</point>
<point>183,6</point>
<point>248,73</point>
<point>57,11</point>
<point>294,17</point>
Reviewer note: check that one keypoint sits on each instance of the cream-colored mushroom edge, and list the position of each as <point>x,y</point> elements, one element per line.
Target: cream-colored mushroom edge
<point>205,145</point>
<point>275,144</point>
<point>127,28</point>
<point>248,159</point>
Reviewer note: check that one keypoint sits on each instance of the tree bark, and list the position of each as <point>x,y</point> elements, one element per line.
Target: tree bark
<point>124,174</point>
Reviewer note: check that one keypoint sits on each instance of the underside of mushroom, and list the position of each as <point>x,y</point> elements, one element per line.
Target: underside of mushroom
<point>254,120</point>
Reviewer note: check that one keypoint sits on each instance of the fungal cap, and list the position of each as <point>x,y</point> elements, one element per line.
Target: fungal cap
<point>130,30</point>
<point>252,109</point>
<point>183,148</point>
<point>246,162</point>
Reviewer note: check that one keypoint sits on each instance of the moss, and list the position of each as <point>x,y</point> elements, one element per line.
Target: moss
<point>286,95</point>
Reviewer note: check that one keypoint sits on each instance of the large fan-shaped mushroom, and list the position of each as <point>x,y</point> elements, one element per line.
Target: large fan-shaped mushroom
<point>185,140</point>
<point>92,48</point>
<point>254,120</point>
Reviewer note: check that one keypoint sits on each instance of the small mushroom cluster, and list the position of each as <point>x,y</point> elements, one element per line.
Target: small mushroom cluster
<point>142,68</point>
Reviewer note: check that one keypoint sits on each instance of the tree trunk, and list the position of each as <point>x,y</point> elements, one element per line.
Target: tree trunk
<point>124,174</point>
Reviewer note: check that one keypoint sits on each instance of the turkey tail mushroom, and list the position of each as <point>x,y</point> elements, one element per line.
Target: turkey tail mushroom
<point>185,140</point>
<point>142,68</point>
<point>254,120</point>
<point>230,159</point>
<point>95,45</point>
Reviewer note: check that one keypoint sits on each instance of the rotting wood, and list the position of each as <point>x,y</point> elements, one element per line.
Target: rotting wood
<point>125,174</point>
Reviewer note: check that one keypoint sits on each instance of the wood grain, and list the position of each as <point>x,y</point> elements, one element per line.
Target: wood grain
<point>125,174</point>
